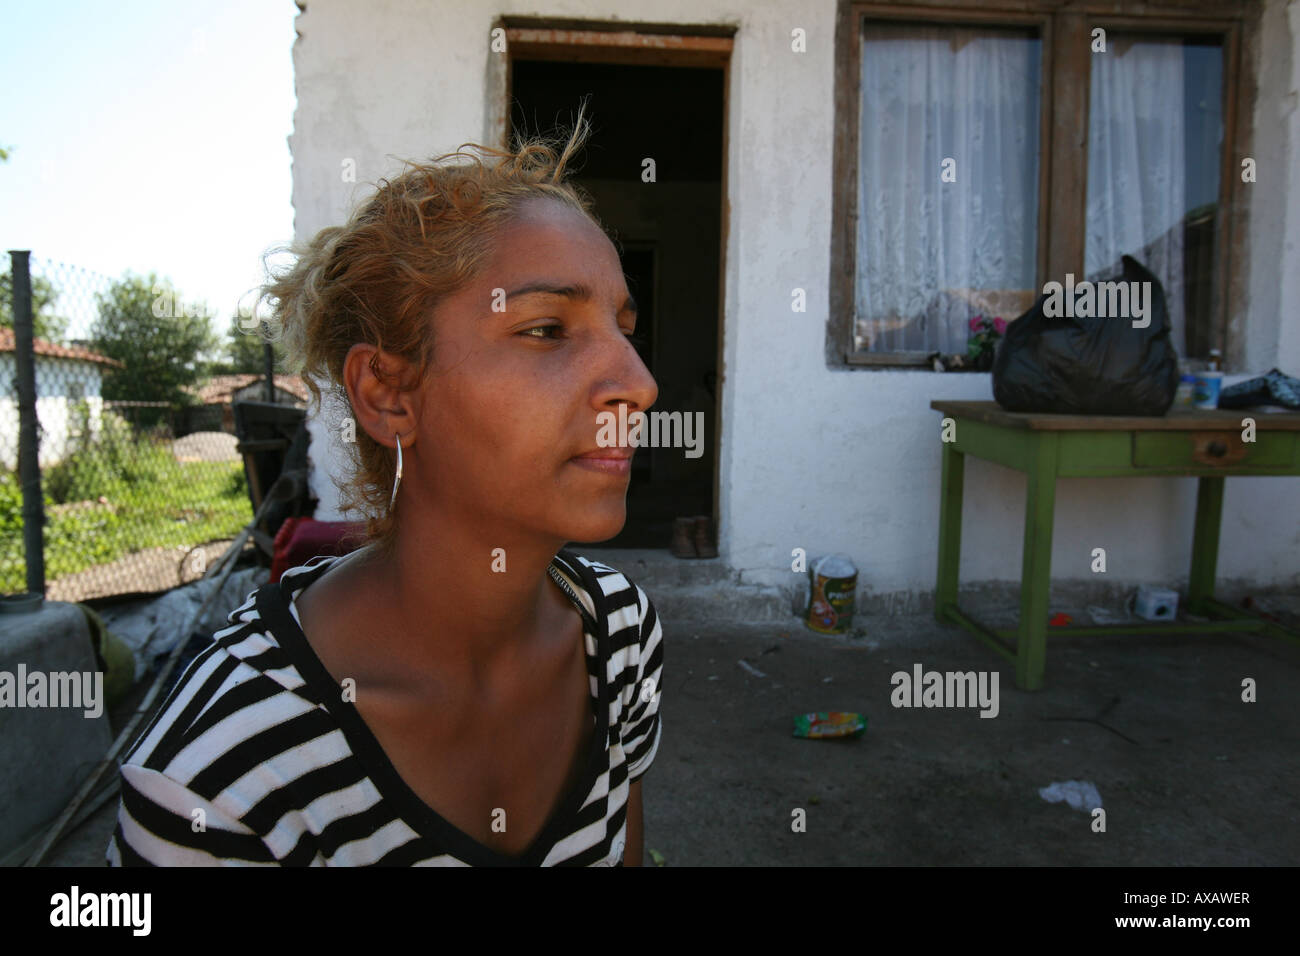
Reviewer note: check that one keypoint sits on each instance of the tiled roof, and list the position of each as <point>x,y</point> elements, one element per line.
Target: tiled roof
<point>54,350</point>
<point>216,390</point>
<point>219,389</point>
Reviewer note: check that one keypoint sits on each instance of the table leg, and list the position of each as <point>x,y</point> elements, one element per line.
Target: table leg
<point>1205,543</point>
<point>950,496</point>
<point>1036,566</point>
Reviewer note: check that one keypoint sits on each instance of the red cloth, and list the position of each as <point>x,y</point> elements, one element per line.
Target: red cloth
<point>301,539</point>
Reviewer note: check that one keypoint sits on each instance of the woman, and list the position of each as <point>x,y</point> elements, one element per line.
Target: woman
<point>460,690</point>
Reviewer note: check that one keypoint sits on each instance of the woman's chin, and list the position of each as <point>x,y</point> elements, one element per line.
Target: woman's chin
<point>599,525</point>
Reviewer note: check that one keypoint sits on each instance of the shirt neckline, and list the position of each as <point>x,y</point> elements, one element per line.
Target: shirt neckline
<point>277,608</point>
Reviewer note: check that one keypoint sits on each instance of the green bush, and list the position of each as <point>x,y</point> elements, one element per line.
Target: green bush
<point>11,504</point>
<point>237,485</point>
<point>108,463</point>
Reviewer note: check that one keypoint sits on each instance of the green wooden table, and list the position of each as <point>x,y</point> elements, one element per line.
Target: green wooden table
<point>1186,442</point>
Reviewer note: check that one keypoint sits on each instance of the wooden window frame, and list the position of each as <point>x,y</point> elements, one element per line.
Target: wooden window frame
<point>1065,31</point>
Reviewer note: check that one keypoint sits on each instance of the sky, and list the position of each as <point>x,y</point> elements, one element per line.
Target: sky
<point>149,136</point>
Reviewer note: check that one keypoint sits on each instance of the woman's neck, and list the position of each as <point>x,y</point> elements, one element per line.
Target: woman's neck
<point>480,604</point>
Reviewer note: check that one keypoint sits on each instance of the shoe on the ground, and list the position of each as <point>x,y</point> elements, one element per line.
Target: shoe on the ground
<point>683,544</point>
<point>705,540</point>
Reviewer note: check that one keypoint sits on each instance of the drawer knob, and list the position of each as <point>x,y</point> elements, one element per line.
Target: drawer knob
<point>1217,448</point>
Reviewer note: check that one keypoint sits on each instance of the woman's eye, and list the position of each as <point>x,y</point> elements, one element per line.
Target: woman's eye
<point>533,332</point>
<point>546,332</point>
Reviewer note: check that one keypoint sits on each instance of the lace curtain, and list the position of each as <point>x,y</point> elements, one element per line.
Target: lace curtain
<point>932,254</point>
<point>1154,134</point>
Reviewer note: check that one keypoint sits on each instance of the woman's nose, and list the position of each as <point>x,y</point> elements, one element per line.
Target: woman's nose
<point>629,382</point>
<point>643,388</point>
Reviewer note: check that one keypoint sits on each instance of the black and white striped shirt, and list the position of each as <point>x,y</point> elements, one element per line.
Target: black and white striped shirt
<point>257,735</point>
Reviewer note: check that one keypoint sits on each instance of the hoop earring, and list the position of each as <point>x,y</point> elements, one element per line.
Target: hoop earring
<point>398,479</point>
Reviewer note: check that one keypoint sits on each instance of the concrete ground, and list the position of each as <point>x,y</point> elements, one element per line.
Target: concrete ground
<point>1188,773</point>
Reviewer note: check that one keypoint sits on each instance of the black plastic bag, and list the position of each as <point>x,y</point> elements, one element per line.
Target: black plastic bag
<point>1098,364</point>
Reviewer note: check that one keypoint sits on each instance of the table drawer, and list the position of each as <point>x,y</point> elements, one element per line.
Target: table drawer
<point>1218,448</point>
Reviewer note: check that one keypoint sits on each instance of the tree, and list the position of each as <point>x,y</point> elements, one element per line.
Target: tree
<point>244,350</point>
<point>160,344</point>
<point>45,324</point>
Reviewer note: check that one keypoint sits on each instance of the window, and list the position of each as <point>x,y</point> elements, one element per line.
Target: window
<point>948,150</point>
<point>1155,138</point>
<point>981,154</point>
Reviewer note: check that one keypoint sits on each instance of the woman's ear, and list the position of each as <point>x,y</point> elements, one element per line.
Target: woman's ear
<point>384,410</point>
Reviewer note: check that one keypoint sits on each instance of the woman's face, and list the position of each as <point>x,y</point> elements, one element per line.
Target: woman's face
<point>519,379</point>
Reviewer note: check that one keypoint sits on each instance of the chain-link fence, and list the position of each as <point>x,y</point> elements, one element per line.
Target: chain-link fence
<point>142,485</point>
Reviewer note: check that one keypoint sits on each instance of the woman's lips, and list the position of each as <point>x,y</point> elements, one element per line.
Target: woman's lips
<point>612,461</point>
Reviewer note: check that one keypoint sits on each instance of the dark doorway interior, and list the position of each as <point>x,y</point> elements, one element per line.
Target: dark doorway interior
<point>668,233</point>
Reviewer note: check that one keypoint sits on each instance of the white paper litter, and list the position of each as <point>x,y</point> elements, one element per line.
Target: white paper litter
<point>1079,794</point>
<point>1101,615</point>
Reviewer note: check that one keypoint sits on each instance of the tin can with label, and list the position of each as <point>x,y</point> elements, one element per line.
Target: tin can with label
<point>1208,384</point>
<point>833,586</point>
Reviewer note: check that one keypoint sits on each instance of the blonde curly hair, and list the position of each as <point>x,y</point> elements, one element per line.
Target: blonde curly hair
<point>421,237</point>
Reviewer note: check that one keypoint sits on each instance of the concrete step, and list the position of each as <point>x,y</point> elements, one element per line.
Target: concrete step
<point>713,603</point>
<point>690,590</point>
<point>655,568</point>
<point>698,589</point>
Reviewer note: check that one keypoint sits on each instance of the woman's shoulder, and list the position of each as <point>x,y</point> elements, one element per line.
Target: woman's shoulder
<point>237,744</point>
<point>613,590</point>
<point>635,660</point>
<point>632,620</point>
<point>242,698</point>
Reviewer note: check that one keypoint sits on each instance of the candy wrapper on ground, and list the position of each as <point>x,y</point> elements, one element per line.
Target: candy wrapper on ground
<point>829,724</point>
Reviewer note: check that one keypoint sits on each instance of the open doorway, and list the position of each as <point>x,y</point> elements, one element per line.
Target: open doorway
<point>669,233</point>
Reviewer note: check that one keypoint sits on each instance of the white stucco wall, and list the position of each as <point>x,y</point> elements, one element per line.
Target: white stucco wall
<point>54,406</point>
<point>843,460</point>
